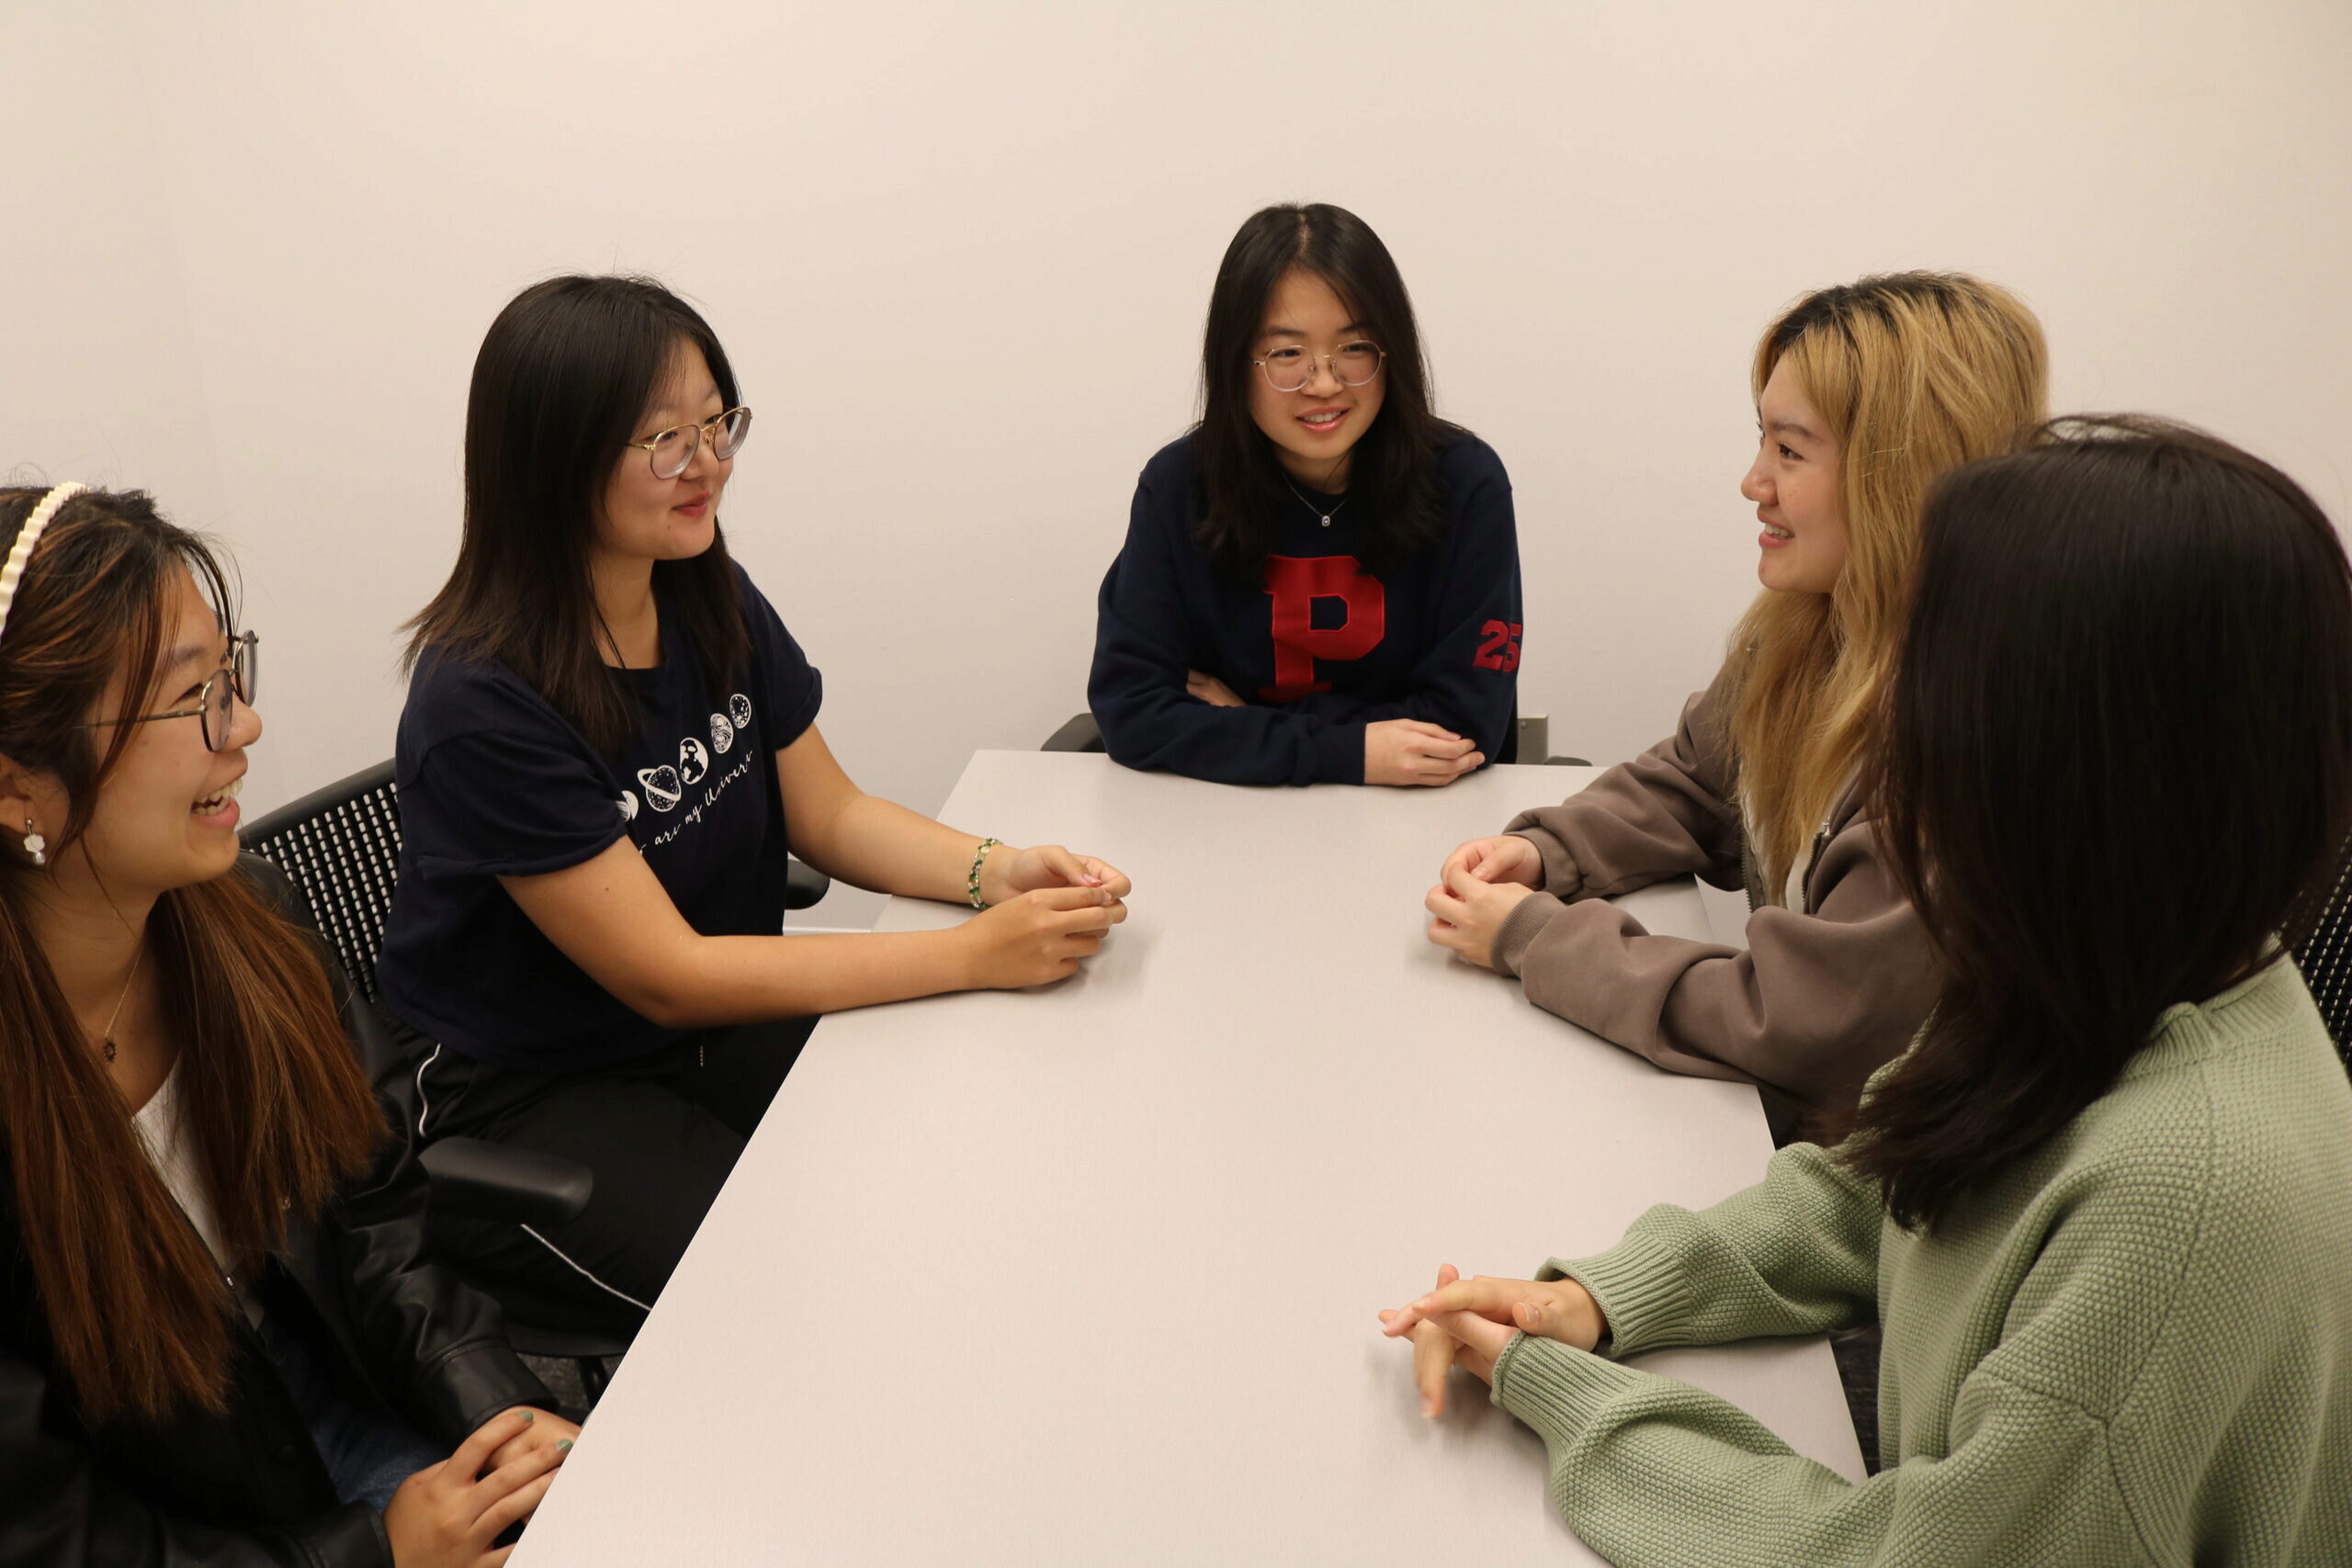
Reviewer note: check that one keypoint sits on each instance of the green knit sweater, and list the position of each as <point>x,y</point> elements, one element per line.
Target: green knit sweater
<point>2135,1347</point>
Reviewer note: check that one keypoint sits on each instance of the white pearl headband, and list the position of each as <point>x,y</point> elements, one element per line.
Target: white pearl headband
<point>12,573</point>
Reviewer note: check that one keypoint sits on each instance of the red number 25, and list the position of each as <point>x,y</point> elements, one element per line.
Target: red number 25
<point>1500,651</point>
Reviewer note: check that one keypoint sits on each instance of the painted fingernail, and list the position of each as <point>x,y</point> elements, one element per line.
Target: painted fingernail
<point>529,1417</point>
<point>563,1445</point>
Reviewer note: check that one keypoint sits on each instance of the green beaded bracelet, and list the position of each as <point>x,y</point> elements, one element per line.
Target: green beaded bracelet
<point>972,882</point>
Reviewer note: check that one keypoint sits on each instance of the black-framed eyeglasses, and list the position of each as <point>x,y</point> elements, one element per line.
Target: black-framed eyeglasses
<point>215,703</point>
<point>671,450</point>
<point>1290,369</point>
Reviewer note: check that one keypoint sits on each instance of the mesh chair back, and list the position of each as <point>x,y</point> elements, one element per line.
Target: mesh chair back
<point>2326,959</point>
<point>341,847</point>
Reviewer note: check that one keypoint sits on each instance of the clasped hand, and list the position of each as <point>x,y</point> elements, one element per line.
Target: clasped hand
<point>1468,1323</point>
<point>1396,750</point>
<point>1480,886</point>
<point>1048,910</point>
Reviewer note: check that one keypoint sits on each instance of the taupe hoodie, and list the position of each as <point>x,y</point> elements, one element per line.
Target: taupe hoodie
<point>1820,997</point>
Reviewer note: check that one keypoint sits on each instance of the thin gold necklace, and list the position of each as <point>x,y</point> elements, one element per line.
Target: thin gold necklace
<point>115,1017</point>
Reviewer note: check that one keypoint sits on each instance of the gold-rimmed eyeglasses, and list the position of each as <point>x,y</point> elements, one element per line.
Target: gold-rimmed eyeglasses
<point>216,701</point>
<point>1289,370</point>
<point>671,450</point>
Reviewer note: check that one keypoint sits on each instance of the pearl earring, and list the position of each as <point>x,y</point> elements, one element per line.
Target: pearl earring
<point>35,845</point>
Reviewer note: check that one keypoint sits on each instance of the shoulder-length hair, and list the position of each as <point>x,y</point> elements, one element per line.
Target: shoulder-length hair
<point>563,376</point>
<point>1392,471</point>
<point>1915,373</point>
<point>2116,775</point>
<point>272,1090</point>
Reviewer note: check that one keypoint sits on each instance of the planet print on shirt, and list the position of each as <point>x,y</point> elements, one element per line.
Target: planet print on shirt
<point>666,787</point>
<point>662,789</point>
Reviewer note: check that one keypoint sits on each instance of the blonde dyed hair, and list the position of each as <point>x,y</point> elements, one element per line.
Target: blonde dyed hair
<point>1914,373</point>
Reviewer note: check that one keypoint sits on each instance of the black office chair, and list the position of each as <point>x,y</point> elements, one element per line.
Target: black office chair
<point>2326,959</point>
<point>341,846</point>
<point>1081,733</point>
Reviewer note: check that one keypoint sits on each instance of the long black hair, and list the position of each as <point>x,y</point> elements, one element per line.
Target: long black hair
<point>1392,472</point>
<point>2116,774</point>
<point>563,376</point>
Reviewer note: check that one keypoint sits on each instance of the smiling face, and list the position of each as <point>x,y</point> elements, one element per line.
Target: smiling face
<point>166,813</point>
<point>1316,427</point>
<point>644,518</point>
<point>1795,484</point>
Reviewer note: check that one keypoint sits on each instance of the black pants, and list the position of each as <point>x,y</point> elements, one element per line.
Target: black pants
<point>661,1134</point>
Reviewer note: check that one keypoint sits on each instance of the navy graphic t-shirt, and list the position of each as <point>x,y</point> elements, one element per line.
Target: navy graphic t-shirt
<point>494,782</point>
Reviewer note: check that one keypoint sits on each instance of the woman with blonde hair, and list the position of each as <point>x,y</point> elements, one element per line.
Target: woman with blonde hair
<point>2103,1205</point>
<point>1865,393</point>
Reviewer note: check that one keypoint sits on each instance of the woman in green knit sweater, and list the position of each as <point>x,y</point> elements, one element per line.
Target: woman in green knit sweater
<point>2103,1206</point>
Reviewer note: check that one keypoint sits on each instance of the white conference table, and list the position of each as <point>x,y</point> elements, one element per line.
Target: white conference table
<point>1087,1274</point>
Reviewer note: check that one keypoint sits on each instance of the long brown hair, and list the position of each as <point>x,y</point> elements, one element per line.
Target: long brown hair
<point>273,1092</point>
<point>2117,775</point>
<point>562,377</point>
<point>1915,373</point>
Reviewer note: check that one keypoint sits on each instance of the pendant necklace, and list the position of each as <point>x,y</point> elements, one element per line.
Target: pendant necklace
<point>115,1017</point>
<point>1310,506</point>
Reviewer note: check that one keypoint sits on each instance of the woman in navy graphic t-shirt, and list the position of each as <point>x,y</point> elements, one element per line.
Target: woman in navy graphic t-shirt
<point>609,745</point>
<point>1321,581</point>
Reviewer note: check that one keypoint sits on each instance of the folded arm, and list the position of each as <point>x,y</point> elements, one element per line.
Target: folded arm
<point>1813,1004</point>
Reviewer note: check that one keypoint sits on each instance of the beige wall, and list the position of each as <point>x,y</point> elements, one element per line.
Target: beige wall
<point>960,256</point>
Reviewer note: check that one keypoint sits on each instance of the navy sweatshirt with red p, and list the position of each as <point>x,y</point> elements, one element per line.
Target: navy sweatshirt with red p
<point>1319,647</point>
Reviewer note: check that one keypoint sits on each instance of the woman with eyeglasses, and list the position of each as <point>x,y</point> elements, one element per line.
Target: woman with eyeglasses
<point>1321,580</point>
<point>2103,1203</point>
<point>220,1340</point>
<point>1864,392</point>
<point>610,744</point>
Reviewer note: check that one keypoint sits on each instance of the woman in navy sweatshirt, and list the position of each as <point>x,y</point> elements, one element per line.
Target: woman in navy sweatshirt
<point>1321,581</point>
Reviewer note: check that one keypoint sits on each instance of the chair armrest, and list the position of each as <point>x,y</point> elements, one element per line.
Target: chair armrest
<point>1080,734</point>
<point>804,884</point>
<point>492,1181</point>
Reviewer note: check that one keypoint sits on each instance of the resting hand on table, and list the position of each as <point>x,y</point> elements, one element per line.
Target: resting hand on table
<point>1037,936</point>
<point>1006,873</point>
<point>1410,751</point>
<point>1210,690</point>
<point>1468,1323</point>
<point>1505,858</point>
<point>1468,914</point>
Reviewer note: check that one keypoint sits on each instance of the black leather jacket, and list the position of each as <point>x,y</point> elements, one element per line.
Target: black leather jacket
<point>247,1488</point>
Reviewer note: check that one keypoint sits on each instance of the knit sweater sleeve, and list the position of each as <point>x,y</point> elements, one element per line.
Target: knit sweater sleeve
<point>1649,1470</point>
<point>1797,1253</point>
<point>1652,1472</point>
